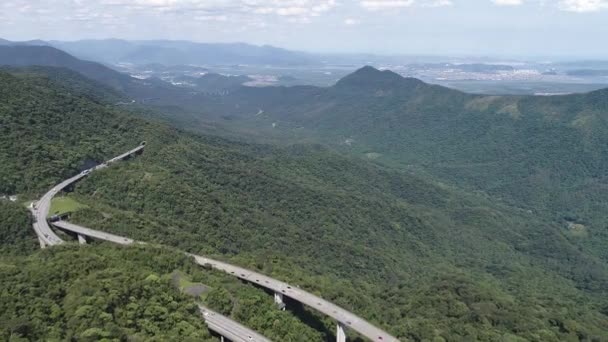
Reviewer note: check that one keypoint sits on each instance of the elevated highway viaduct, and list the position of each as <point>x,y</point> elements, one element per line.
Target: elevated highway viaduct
<point>345,319</point>
<point>40,209</point>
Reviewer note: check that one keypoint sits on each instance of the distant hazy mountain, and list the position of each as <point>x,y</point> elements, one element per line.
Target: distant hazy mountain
<point>35,42</point>
<point>107,51</point>
<point>18,55</point>
<point>182,52</point>
<point>26,56</point>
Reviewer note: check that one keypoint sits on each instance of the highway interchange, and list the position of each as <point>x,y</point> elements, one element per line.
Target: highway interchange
<point>41,208</point>
<point>345,318</point>
<point>214,321</point>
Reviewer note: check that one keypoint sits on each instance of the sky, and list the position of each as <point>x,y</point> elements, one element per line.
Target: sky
<point>576,28</point>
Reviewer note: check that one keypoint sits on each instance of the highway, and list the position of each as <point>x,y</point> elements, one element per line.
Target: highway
<point>41,211</point>
<point>216,322</point>
<point>93,233</point>
<point>41,208</point>
<point>345,317</point>
<point>228,328</point>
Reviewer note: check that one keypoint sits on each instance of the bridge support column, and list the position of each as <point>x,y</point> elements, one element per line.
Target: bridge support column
<point>82,240</point>
<point>278,299</point>
<point>221,338</point>
<point>340,334</point>
<point>42,243</point>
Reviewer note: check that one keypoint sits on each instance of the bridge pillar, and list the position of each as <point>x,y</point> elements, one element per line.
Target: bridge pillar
<point>221,338</point>
<point>82,240</point>
<point>42,243</point>
<point>278,299</point>
<point>340,334</point>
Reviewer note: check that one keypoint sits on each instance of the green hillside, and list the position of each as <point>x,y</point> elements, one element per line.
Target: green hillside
<point>543,154</point>
<point>22,56</point>
<point>47,133</point>
<point>420,258</point>
<point>91,294</point>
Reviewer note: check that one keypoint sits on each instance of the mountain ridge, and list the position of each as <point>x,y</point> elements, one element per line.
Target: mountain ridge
<point>49,56</point>
<point>174,52</point>
<point>543,153</point>
<point>386,243</point>
<point>370,77</point>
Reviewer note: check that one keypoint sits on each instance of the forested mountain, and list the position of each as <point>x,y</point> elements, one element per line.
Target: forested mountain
<point>48,56</point>
<point>544,154</point>
<point>90,293</point>
<point>423,259</point>
<point>49,132</point>
<point>71,81</point>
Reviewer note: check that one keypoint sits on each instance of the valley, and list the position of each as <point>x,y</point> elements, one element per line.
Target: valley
<point>431,213</point>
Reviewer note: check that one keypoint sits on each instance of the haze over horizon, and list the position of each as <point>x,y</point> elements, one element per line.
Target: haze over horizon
<point>510,28</point>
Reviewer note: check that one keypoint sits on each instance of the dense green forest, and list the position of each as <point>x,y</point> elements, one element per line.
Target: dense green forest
<point>543,154</point>
<point>91,294</point>
<point>15,238</point>
<point>423,259</point>
<point>473,138</point>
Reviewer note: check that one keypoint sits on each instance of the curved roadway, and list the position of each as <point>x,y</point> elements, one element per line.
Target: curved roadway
<point>346,318</point>
<point>41,208</point>
<point>41,211</point>
<point>220,324</point>
<point>223,325</point>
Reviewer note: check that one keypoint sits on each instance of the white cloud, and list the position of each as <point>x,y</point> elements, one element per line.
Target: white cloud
<point>298,9</point>
<point>386,5</point>
<point>211,18</point>
<point>375,5</point>
<point>583,6</point>
<point>439,3</point>
<point>508,2</point>
<point>580,6</point>
<point>351,22</point>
